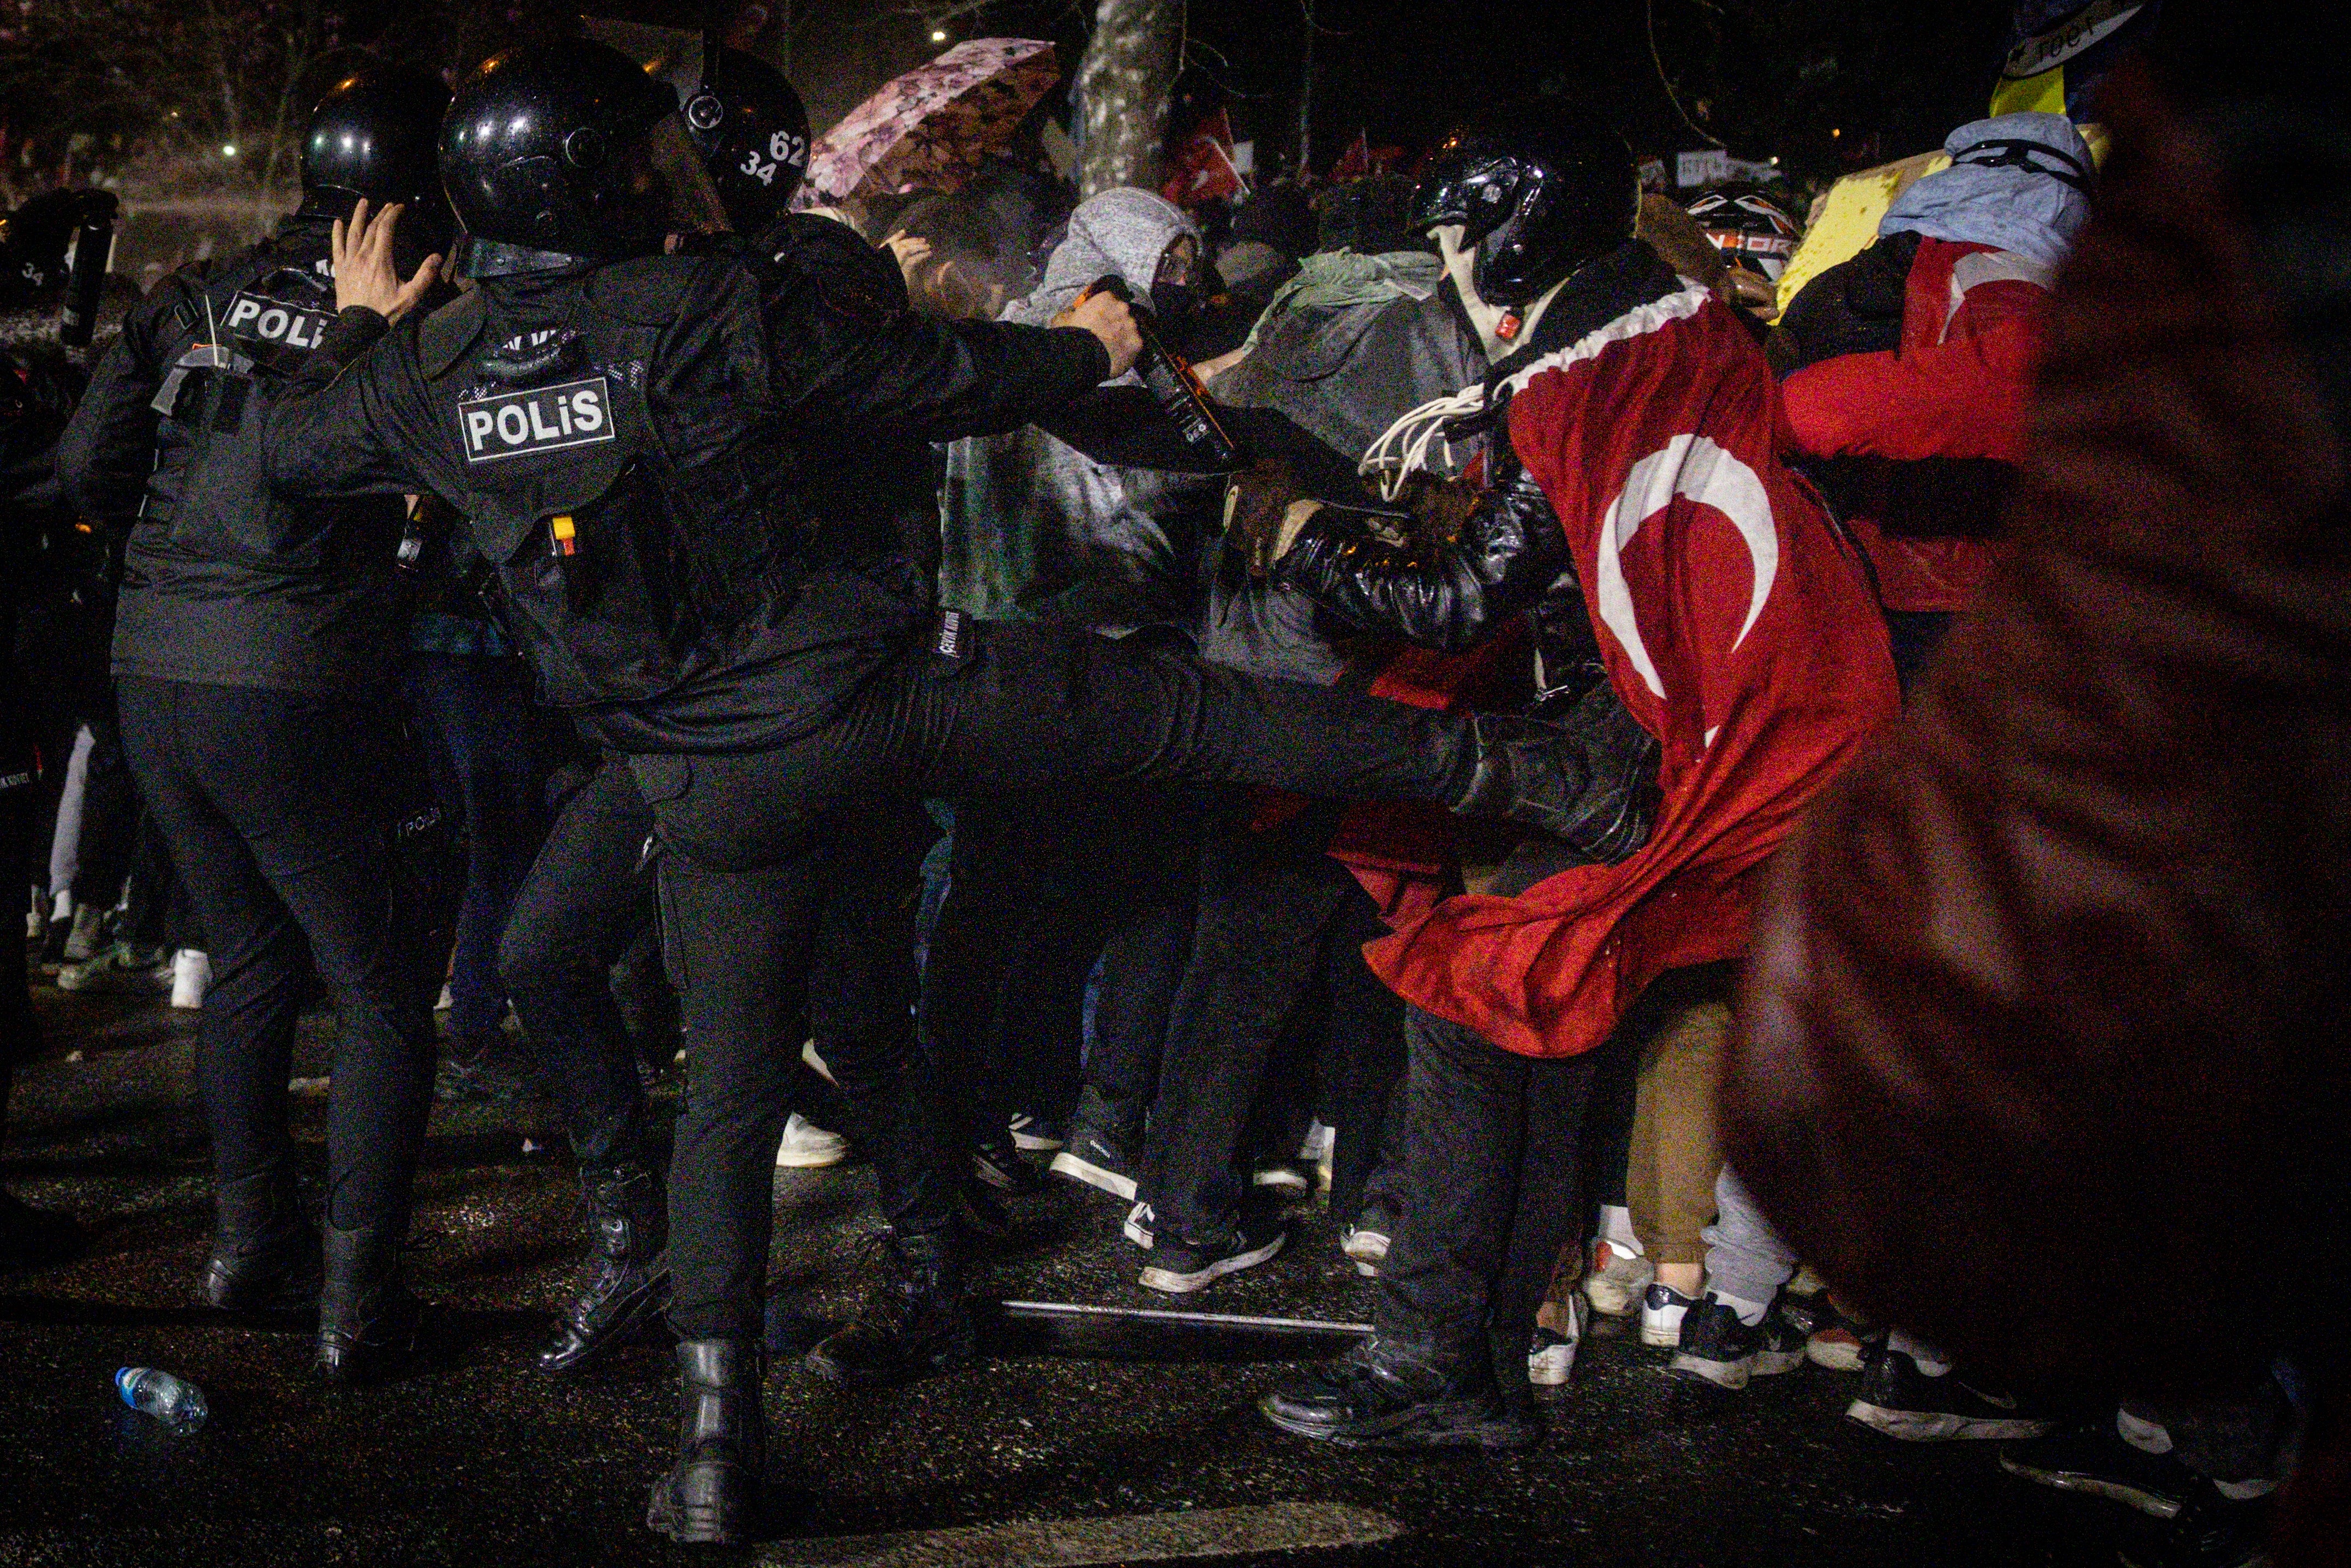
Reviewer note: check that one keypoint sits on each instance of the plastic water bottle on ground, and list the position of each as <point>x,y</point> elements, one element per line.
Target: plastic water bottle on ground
<point>173,1401</point>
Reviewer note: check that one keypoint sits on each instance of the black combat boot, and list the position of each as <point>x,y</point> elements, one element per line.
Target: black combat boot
<point>1589,780</point>
<point>625,1283</point>
<point>914,1320</point>
<point>366,1319</point>
<point>1389,1393</point>
<point>712,1496</point>
<point>264,1255</point>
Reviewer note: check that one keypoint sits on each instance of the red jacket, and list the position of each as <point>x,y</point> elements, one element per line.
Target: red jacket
<point>1956,387</point>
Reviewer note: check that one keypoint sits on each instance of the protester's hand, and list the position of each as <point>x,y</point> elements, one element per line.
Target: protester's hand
<point>1265,508</point>
<point>364,272</point>
<point>1108,318</point>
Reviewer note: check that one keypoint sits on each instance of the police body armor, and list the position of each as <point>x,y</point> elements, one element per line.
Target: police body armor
<point>626,575</point>
<point>226,581</point>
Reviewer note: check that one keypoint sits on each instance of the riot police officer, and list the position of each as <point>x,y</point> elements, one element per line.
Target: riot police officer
<point>871,496</point>
<point>610,420</point>
<point>254,645</point>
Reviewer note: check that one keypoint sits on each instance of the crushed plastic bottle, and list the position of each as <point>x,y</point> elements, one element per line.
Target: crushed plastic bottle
<point>175,1402</point>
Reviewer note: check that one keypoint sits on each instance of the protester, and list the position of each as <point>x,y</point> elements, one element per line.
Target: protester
<point>1907,368</point>
<point>1626,389</point>
<point>2127,768</point>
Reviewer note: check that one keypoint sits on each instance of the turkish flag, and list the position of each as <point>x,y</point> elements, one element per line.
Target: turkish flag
<point>1736,625</point>
<point>1205,169</point>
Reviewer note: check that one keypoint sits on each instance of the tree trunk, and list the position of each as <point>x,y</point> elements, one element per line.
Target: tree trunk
<point>1126,82</point>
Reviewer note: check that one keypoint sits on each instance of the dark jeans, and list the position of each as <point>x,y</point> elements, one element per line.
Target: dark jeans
<point>1033,708</point>
<point>1040,886</point>
<point>277,807</point>
<point>1272,906</point>
<point>479,725</point>
<point>1488,1173</point>
<point>584,900</point>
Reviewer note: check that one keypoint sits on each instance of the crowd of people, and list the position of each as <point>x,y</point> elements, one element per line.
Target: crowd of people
<point>1208,708</point>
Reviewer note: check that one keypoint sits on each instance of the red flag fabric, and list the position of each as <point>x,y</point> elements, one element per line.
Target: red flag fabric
<point>1205,169</point>
<point>1739,629</point>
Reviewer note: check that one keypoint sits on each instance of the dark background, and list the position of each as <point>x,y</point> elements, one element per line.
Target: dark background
<point>155,91</point>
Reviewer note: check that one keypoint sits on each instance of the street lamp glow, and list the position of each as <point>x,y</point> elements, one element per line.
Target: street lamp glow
<point>938,35</point>
<point>228,149</point>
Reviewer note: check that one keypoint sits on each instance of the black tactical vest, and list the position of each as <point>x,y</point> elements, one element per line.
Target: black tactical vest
<point>628,575</point>
<point>224,581</point>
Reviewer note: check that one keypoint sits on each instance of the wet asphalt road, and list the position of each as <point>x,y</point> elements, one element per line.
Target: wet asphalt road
<point>480,1459</point>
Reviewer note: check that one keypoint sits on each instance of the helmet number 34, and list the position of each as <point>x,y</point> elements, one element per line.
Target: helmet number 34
<point>783,147</point>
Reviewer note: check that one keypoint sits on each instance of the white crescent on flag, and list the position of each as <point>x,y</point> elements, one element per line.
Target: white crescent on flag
<point>1694,467</point>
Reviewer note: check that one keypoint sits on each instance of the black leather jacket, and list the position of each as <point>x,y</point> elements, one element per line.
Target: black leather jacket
<point>1510,558</point>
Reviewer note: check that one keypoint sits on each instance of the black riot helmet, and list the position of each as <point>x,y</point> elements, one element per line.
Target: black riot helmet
<point>373,135</point>
<point>559,152</point>
<point>1537,192</point>
<point>752,131</point>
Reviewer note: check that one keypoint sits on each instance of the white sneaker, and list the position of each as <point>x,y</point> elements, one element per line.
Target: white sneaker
<point>809,1147</point>
<point>809,1055</point>
<point>1366,1247</point>
<point>1137,1227</point>
<point>191,976</point>
<point>1031,1136</point>
<point>1662,1311</point>
<point>1615,1280</point>
<point>1552,1358</point>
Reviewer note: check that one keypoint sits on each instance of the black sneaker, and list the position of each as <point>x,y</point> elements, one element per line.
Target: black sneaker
<point>999,1164</point>
<point>1180,1266</point>
<point>2208,1532</point>
<point>1091,1159</point>
<point>1139,1226</point>
<point>2097,1463</point>
<point>1901,1401</point>
<point>1381,1395</point>
<point>478,1070</point>
<point>1718,1348</point>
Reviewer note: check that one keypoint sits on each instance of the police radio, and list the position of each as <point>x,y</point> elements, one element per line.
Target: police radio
<point>93,247</point>
<point>1174,385</point>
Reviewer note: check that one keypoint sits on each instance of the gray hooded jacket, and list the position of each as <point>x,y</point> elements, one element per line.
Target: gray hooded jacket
<point>1032,529</point>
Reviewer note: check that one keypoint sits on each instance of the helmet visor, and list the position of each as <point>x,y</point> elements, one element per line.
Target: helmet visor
<point>665,172</point>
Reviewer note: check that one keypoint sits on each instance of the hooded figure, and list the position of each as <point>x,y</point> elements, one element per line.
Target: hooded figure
<point>1033,530</point>
<point>1905,370</point>
<point>2017,183</point>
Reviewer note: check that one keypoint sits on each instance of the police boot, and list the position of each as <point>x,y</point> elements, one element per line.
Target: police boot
<point>625,1282</point>
<point>712,1496</point>
<point>915,1319</point>
<point>366,1319</point>
<point>265,1255</point>
<point>1591,781</point>
<point>1395,1393</point>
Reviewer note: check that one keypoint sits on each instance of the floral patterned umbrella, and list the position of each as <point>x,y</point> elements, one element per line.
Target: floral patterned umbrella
<point>933,126</point>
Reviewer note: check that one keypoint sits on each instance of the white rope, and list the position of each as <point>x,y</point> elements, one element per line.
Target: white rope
<point>1403,449</point>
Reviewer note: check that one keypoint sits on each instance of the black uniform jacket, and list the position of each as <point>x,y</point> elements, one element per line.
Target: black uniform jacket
<point>744,377</point>
<point>222,583</point>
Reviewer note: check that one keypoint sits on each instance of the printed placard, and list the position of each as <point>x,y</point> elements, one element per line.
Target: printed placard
<point>542,419</point>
